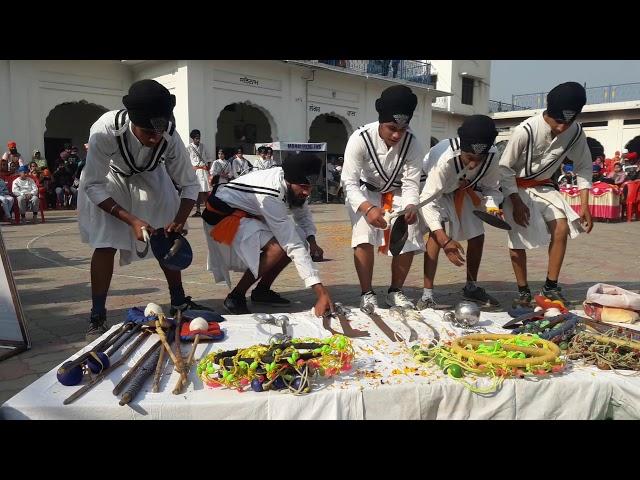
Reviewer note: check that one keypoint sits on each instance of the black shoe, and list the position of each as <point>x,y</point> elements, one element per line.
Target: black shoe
<point>197,214</point>
<point>524,299</point>
<point>555,294</point>
<point>97,327</point>
<point>268,297</point>
<point>187,305</point>
<point>236,304</point>
<point>480,296</point>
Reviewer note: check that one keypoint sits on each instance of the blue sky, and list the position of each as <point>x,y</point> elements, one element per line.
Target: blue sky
<point>513,77</point>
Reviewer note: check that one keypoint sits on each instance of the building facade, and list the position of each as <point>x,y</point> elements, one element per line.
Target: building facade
<point>233,103</point>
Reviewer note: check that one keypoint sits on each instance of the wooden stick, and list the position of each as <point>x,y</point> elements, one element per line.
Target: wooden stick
<point>159,366</point>
<point>118,388</point>
<point>180,367</point>
<point>166,345</point>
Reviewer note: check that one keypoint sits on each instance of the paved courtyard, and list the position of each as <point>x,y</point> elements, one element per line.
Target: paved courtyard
<point>51,269</point>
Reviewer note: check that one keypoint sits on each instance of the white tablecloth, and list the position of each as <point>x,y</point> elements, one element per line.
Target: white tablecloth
<point>385,383</point>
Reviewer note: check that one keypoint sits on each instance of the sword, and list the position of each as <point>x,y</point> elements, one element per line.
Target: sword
<point>369,309</point>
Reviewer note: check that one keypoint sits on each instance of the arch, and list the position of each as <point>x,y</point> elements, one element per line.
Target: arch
<point>595,147</point>
<point>332,129</point>
<point>243,124</point>
<point>69,122</point>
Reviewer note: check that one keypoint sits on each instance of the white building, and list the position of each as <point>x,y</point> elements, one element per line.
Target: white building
<point>48,103</point>
<point>468,83</point>
<point>611,124</point>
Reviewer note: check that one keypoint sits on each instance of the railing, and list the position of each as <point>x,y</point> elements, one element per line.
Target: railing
<point>496,106</point>
<point>623,92</point>
<point>415,71</point>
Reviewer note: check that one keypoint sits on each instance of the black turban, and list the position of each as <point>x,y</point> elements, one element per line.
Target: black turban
<point>477,134</point>
<point>565,101</point>
<point>149,105</point>
<point>396,104</point>
<point>297,168</point>
<point>194,133</point>
<point>262,149</point>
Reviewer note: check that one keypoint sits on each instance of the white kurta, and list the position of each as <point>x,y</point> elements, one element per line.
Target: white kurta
<point>239,167</point>
<point>221,169</point>
<point>442,168</point>
<point>367,158</point>
<point>200,160</point>
<point>264,163</point>
<point>149,195</point>
<point>534,153</point>
<point>262,193</point>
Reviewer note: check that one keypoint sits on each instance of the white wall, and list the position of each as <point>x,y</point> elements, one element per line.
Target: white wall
<point>450,80</point>
<point>29,90</point>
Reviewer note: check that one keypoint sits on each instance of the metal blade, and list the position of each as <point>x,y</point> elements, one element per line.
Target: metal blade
<point>492,220</point>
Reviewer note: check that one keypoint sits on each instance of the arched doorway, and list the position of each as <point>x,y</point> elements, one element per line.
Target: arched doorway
<point>69,122</point>
<point>242,125</point>
<point>332,130</point>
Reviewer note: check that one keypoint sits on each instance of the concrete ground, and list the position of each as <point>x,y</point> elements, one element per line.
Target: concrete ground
<point>51,269</point>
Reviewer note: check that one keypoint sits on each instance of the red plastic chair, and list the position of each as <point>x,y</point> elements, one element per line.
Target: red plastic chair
<point>633,197</point>
<point>41,197</point>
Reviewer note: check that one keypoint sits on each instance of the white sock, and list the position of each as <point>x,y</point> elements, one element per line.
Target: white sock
<point>427,293</point>
<point>471,285</point>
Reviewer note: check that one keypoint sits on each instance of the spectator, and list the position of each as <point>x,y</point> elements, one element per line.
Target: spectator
<point>74,158</point>
<point>567,177</point>
<point>618,176</point>
<point>239,164</point>
<point>63,181</point>
<point>4,168</point>
<point>220,169</point>
<point>6,199</point>
<point>201,162</point>
<point>34,170</point>
<point>81,165</point>
<point>37,157</point>
<point>597,169</point>
<point>13,157</point>
<point>27,192</point>
<point>49,188</point>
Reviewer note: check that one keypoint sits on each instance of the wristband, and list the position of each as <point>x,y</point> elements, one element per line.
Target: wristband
<point>368,210</point>
<point>446,243</point>
<point>113,208</point>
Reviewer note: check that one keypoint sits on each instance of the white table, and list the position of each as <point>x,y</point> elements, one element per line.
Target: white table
<point>385,383</point>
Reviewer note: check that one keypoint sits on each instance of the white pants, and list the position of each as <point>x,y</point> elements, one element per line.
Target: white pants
<point>545,204</point>
<point>463,228</point>
<point>149,196</point>
<point>362,232</point>
<point>202,175</point>
<point>7,204</point>
<point>244,252</point>
<point>33,203</point>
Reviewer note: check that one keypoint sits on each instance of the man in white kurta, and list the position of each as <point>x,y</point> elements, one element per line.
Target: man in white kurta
<point>382,166</point>
<point>462,173</point>
<point>221,171</point>
<point>240,165</point>
<point>26,191</point>
<point>201,161</point>
<point>263,162</point>
<point>535,209</point>
<point>126,185</point>
<point>249,229</point>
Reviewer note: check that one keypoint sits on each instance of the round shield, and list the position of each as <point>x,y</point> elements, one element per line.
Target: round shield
<point>172,251</point>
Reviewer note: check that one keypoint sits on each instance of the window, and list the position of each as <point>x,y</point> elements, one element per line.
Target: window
<point>467,91</point>
<point>634,121</point>
<point>594,124</point>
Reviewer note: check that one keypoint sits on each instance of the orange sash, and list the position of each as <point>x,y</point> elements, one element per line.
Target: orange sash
<point>458,199</point>
<point>524,183</point>
<point>387,204</point>
<point>226,229</point>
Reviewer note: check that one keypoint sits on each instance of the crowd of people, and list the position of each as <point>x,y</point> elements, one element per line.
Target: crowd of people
<point>33,182</point>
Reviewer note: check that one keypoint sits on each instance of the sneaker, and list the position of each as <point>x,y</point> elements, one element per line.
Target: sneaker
<point>268,297</point>
<point>425,303</point>
<point>398,299</point>
<point>236,305</point>
<point>369,297</point>
<point>480,296</point>
<point>555,294</point>
<point>524,299</point>
<point>97,327</point>
<point>197,214</point>
<point>187,305</point>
